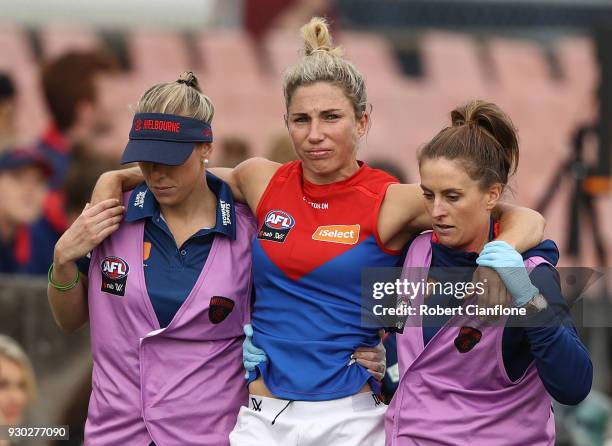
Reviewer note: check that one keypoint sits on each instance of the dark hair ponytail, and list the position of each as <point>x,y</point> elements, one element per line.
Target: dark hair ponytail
<point>483,137</point>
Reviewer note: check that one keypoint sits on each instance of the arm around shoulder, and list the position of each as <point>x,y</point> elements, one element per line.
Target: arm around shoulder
<point>113,183</point>
<point>402,215</point>
<point>252,177</point>
<point>521,227</point>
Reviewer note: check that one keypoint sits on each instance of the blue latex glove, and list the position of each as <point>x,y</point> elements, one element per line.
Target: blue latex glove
<point>508,263</point>
<point>251,355</point>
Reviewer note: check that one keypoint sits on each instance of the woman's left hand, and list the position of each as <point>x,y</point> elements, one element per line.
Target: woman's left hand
<point>89,230</point>
<point>374,359</point>
<point>509,265</point>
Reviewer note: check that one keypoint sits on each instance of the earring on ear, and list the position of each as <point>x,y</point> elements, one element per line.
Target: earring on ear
<point>205,161</point>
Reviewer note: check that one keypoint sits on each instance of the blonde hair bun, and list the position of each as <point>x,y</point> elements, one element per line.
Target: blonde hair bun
<point>182,97</point>
<point>189,79</point>
<point>316,37</point>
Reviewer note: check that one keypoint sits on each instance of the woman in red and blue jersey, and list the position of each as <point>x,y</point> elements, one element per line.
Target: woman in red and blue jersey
<point>321,220</point>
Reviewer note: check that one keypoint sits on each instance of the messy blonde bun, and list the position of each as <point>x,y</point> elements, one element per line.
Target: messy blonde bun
<point>316,37</point>
<point>189,79</point>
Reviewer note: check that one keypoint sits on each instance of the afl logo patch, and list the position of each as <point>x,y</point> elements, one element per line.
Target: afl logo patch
<point>114,275</point>
<point>467,338</point>
<point>276,226</point>
<point>220,308</point>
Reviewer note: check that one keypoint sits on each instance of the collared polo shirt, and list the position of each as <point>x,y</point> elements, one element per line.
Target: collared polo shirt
<point>171,271</point>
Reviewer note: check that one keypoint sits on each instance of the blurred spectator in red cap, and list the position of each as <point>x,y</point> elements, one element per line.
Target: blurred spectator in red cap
<point>8,103</point>
<point>27,233</point>
<point>23,182</point>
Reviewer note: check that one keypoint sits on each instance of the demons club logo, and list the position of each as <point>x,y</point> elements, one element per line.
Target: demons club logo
<point>138,125</point>
<point>220,308</point>
<point>467,339</point>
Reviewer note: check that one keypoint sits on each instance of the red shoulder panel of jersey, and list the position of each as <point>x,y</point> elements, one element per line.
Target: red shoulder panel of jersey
<point>303,226</point>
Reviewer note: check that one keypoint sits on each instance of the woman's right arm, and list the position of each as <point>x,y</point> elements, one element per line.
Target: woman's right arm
<point>91,227</point>
<point>248,180</point>
<point>113,183</point>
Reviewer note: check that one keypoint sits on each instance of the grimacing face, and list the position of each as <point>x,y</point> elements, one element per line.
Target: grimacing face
<point>460,210</point>
<point>13,392</point>
<point>325,131</point>
<point>173,185</point>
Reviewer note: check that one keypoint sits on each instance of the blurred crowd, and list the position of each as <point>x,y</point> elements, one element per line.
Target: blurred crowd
<point>47,182</point>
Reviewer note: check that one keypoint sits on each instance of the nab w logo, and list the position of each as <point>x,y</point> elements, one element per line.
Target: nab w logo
<point>256,404</point>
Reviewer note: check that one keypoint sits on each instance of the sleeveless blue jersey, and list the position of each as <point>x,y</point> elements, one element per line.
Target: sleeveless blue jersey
<point>312,243</point>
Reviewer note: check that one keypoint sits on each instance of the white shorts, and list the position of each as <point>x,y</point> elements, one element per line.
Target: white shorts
<point>356,420</point>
